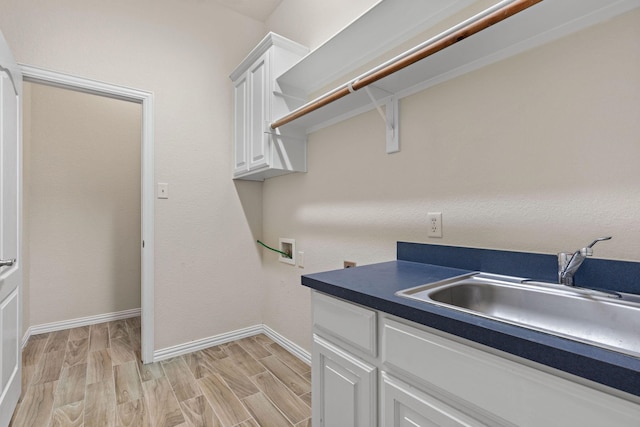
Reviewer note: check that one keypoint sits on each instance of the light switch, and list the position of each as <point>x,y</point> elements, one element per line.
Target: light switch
<point>163,190</point>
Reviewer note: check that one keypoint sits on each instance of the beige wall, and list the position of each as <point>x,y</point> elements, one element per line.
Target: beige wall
<point>82,190</point>
<point>206,259</point>
<point>537,153</point>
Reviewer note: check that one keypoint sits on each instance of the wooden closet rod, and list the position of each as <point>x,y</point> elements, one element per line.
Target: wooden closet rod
<point>404,61</point>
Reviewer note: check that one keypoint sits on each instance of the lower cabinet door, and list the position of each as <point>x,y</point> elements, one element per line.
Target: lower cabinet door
<point>405,406</point>
<point>344,388</point>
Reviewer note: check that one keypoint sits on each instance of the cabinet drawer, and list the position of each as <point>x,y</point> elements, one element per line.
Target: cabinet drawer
<point>348,322</point>
<point>520,394</point>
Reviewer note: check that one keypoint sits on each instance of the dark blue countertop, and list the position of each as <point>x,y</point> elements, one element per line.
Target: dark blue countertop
<point>375,285</point>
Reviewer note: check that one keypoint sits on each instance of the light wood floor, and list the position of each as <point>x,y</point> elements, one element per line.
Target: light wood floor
<point>91,376</point>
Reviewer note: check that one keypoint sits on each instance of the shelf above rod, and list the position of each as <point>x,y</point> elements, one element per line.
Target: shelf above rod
<point>485,19</point>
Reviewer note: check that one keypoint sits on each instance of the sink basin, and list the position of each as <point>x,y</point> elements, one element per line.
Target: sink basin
<point>598,318</point>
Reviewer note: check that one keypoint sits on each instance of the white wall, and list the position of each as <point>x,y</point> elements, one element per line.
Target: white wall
<point>538,153</point>
<point>206,260</point>
<point>82,176</point>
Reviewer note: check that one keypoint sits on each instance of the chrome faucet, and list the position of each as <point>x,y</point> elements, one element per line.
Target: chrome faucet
<point>569,263</point>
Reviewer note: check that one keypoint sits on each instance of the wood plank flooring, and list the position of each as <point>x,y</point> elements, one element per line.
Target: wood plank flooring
<point>92,376</point>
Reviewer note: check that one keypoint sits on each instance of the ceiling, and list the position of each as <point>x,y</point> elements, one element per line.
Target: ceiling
<point>256,9</point>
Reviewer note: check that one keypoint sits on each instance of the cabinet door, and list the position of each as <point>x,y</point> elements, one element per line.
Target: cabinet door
<point>259,112</point>
<point>405,406</point>
<point>240,125</point>
<point>344,388</point>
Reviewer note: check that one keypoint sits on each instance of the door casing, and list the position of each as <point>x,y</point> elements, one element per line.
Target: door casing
<point>145,98</point>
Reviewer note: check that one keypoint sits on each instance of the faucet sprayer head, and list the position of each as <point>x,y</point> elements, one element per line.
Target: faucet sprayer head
<point>599,239</point>
<point>588,251</point>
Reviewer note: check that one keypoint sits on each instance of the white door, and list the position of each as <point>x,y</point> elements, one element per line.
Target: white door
<point>10,269</point>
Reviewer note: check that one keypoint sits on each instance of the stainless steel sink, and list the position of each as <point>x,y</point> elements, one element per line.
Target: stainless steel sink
<point>598,318</point>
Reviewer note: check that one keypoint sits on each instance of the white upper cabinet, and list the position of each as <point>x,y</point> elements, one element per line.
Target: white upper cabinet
<point>259,151</point>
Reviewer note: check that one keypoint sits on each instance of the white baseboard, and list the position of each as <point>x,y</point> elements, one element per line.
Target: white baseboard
<point>289,345</point>
<point>201,344</point>
<point>176,350</point>
<point>76,323</point>
<point>180,349</point>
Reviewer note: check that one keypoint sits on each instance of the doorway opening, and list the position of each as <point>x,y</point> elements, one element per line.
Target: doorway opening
<point>145,230</point>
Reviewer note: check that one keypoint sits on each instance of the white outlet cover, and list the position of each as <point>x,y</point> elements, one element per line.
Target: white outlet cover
<point>434,224</point>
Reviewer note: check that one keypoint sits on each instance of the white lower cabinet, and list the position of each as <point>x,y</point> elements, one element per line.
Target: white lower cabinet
<point>419,377</point>
<point>344,388</point>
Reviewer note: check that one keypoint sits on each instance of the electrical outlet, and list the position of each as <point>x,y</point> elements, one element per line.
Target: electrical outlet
<point>288,246</point>
<point>435,224</point>
<point>349,264</point>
